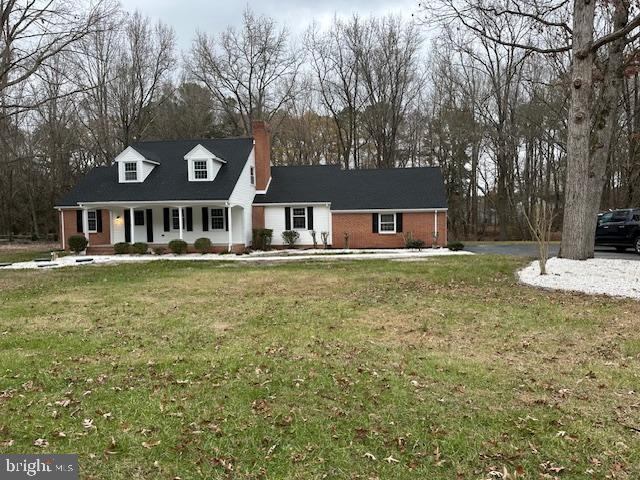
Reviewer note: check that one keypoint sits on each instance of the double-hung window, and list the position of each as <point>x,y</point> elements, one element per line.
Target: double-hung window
<point>131,171</point>
<point>299,218</point>
<point>175,219</point>
<point>200,171</point>
<point>92,221</point>
<point>217,219</point>
<point>387,223</point>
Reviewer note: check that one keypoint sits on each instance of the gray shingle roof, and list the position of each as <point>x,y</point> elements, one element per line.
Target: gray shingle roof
<point>393,188</point>
<point>169,180</point>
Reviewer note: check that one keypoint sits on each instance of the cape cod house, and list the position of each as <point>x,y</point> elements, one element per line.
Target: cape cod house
<point>158,191</point>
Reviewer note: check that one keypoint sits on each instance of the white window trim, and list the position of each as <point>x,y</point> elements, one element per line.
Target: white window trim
<point>207,163</point>
<point>184,211</point>
<point>224,226</point>
<point>395,223</point>
<point>306,219</point>
<point>124,170</point>
<point>95,219</point>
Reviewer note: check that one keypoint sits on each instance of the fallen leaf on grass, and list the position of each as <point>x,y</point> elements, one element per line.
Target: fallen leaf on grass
<point>370,456</point>
<point>151,444</point>
<point>390,459</point>
<point>41,442</point>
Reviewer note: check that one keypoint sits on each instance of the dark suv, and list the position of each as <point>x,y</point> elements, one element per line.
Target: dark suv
<point>619,229</point>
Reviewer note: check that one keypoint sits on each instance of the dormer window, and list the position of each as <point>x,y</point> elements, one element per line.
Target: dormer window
<point>200,170</point>
<point>252,174</point>
<point>202,165</point>
<point>131,171</point>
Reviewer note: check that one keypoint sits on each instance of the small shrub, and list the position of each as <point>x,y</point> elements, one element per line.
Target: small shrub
<point>347,236</point>
<point>325,239</point>
<point>315,240</point>
<point>261,238</point>
<point>290,237</point>
<point>34,237</point>
<point>159,250</point>
<point>78,243</point>
<point>121,248</point>
<point>179,247</point>
<point>455,246</point>
<point>202,245</point>
<point>415,243</point>
<point>267,236</point>
<point>140,248</point>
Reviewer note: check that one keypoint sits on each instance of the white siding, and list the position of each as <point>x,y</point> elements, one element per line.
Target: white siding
<point>274,219</point>
<point>243,194</point>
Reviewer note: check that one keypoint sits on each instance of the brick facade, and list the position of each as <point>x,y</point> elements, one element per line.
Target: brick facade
<point>70,228</point>
<point>262,138</point>
<point>359,227</point>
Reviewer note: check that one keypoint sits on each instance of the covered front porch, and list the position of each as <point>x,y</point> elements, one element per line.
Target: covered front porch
<point>154,223</point>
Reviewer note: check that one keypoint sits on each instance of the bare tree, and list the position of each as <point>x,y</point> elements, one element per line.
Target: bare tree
<point>251,71</point>
<point>144,64</point>
<point>594,99</point>
<point>388,54</point>
<point>34,32</point>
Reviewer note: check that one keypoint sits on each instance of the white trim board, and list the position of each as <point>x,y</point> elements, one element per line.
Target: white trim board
<point>392,210</point>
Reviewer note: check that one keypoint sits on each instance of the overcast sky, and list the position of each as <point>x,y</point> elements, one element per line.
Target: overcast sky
<point>213,16</point>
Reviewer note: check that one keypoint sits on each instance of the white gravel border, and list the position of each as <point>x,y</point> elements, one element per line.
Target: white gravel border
<point>257,257</point>
<point>614,277</point>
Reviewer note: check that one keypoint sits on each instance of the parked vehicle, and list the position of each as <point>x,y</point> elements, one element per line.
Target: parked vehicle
<point>619,229</point>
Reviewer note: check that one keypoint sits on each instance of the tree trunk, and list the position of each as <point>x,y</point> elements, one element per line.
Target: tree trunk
<point>584,181</point>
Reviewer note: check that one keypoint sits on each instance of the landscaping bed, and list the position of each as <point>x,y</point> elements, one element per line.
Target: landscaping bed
<point>614,277</point>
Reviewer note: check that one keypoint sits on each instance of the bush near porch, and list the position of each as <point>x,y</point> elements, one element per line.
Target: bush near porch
<point>446,368</point>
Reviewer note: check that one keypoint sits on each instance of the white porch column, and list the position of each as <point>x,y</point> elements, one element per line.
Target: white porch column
<point>230,228</point>
<point>132,225</point>
<point>180,221</point>
<point>85,222</point>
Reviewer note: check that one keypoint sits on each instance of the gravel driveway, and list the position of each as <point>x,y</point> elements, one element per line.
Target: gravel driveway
<point>528,249</point>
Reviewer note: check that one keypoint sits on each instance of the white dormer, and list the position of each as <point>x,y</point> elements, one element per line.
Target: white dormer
<point>202,164</point>
<point>133,167</point>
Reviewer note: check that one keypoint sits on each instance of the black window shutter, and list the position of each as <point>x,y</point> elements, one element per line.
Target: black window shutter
<point>309,218</point>
<point>205,219</point>
<point>226,218</point>
<point>374,222</point>
<point>127,226</point>
<point>167,225</point>
<point>79,221</point>
<point>149,225</point>
<point>189,219</point>
<point>98,220</point>
<point>398,222</point>
<point>287,218</point>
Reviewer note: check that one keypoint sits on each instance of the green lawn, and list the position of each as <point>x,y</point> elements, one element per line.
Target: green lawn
<point>438,369</point>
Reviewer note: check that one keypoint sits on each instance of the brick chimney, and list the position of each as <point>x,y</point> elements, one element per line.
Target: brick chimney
<point>262,143</point>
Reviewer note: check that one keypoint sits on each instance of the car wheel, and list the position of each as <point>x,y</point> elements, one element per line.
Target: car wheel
<point>637,245</point>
